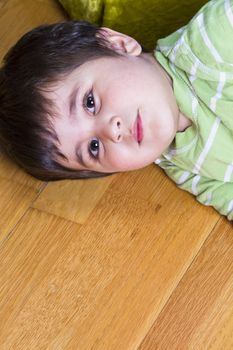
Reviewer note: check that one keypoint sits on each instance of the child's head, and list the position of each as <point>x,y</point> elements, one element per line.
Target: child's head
<point>72,92</point>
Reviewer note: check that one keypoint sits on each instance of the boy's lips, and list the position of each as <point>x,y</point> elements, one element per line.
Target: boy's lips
<point>138,129</point>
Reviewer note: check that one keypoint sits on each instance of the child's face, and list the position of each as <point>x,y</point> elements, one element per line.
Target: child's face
<point>108,96</point>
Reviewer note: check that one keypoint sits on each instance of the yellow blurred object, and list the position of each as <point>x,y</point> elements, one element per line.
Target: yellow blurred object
<point>145,20</point>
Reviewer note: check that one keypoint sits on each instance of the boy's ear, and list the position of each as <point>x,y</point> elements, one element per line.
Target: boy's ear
<point>121,43</point>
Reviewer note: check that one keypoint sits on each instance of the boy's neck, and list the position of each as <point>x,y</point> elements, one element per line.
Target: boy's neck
<point>184,122</point>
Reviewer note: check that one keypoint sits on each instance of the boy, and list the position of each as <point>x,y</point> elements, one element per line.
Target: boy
<point>78,101</point>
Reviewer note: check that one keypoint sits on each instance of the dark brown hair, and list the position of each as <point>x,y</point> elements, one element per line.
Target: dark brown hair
<point>43,56</point>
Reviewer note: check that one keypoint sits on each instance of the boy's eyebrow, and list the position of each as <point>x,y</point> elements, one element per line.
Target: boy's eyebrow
<point>72,99</point>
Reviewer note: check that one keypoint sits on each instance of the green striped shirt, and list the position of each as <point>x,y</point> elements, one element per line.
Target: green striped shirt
<point>199,58</point>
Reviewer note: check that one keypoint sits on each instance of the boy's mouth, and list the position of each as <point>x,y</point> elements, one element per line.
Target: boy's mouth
<point>138,129</point>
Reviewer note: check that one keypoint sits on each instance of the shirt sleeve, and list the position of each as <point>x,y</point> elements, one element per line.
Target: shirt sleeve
<point>207,39</point>
<point>207,191</point>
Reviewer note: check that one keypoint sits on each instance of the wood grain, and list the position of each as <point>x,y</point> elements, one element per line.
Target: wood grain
<point>199,314</point>
<point>126,262</point>
<point>15,201</point>
<point>78,207</point>
<point>116,273</point>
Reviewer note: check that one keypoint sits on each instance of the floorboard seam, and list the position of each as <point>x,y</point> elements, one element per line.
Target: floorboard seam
<point>180,280</point>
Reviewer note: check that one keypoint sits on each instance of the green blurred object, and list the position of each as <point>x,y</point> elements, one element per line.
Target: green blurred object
<point>145,20</point>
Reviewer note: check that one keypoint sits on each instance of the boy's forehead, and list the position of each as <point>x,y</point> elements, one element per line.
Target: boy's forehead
<point>83,71</point>
<point>82,74</point>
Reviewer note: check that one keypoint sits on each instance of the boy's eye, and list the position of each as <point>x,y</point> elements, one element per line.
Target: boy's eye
<point>89,103</point>
<point>94,148</point>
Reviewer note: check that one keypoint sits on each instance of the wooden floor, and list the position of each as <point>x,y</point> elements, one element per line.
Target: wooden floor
<point>127,262</point>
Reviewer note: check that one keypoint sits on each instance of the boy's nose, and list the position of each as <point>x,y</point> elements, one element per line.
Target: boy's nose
<point>113,129</point>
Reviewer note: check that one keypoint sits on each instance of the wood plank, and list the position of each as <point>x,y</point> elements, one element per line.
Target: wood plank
<point>148,184</point>
<point>11,171</point>
<point>102,284</point>
<point>199,314</point>
<point>56,198</point>
<point>14,202</point>
<point>29,14</point>
<point>26,260</point>
<point>103,262</point>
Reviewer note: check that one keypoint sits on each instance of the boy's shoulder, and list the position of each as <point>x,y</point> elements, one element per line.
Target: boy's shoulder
<point>206,41</point>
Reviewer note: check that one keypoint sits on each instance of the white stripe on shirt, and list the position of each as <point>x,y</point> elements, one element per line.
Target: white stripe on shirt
<point>208,198</point>
<point>194,106</point>
<point>213,101</point>
<point>229,11</point>
<point>230,207</point>
<point>228,173</point>
<point>176,47</point>
<point>193,72</point>
<point>162,48</point>
<point>183,177</point>
<point>206,39</point>
<point>208,145</point>
<point>196,179</point>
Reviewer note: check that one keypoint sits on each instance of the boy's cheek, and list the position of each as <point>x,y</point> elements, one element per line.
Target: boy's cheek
<point>133,162</point>
<point>120,162</point>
